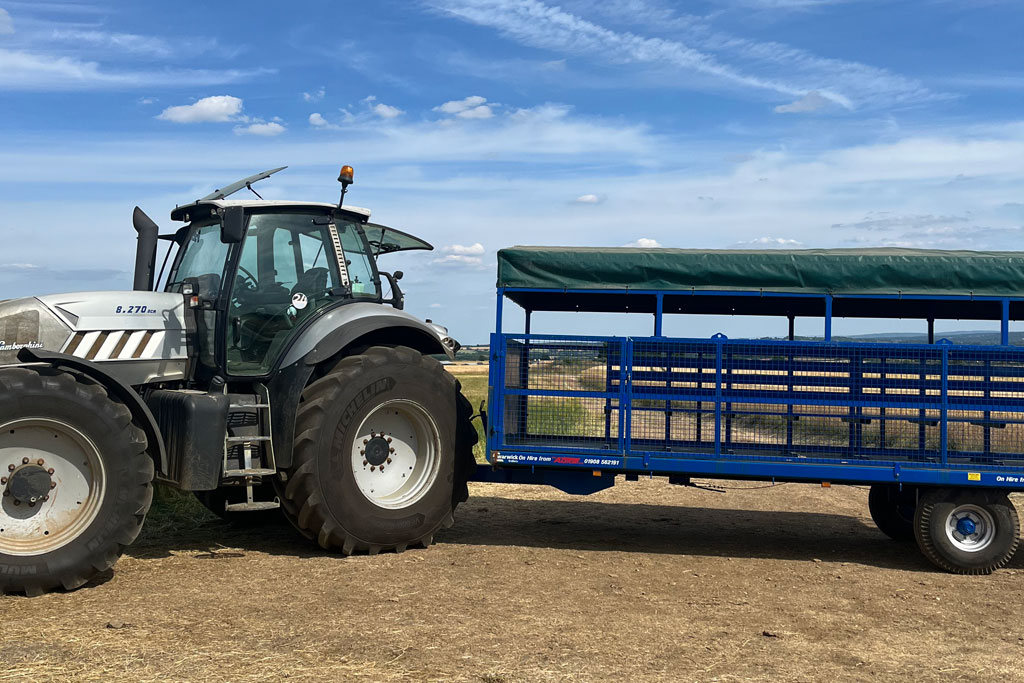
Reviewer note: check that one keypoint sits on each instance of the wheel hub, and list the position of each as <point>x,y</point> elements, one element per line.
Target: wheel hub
<point>966,526</point>
<point>377,450</point>
<point>29,484</point>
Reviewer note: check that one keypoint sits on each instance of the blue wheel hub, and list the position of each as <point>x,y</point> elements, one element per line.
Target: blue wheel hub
<point>966,526</point>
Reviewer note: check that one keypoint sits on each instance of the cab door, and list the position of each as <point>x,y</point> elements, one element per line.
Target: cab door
<point>286,270</point>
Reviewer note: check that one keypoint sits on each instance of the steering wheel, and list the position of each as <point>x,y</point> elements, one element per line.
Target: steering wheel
<point>248,276</point>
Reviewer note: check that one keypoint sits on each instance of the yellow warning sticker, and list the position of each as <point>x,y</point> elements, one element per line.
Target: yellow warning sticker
<point>974,476</point>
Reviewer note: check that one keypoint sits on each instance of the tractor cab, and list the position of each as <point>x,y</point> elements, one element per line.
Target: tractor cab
<point>259,269</point>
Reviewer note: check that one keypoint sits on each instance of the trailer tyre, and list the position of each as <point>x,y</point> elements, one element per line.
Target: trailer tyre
<point>967,531</point>
<point>383,449</point>
<point>892,510</point>
<point>76,480</point>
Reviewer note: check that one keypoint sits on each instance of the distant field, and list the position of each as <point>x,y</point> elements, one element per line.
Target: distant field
<point>474,385</point>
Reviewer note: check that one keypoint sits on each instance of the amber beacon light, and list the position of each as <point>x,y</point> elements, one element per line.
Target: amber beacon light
<point>345,178</point>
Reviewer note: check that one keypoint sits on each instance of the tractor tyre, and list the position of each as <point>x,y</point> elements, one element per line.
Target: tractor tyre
<point>383,450</point>
<point>967,531</point>
<point>76,480</point>
<point>892,510</point>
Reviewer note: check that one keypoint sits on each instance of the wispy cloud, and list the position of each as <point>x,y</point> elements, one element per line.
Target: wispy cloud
<point>472,107</point>
<point>316,95</point>
<point>644,243</point>
<point>31,71</point>
<point>812,101</point>
<point>6,25</point>
<point>709,58</point>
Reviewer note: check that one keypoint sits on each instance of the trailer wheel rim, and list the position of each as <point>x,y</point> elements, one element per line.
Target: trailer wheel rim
<point>76,485</point>
<point>970,528</point>
<point>396,454</point>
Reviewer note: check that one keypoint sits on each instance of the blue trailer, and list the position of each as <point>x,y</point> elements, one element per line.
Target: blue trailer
<point>935,429</point>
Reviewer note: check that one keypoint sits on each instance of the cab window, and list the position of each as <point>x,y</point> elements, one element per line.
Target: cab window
<point>284,275</point>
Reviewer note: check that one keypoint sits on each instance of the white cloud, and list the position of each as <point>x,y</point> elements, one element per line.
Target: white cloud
<point>386,111</point>
<point>462,255</point>
<point>588,199</point>
<point>812,101</point>
<point>315,119</point>
<point>457,106</point>
<point>147,100</point>
<point>315,96</point>
<point>481,112</point>
<point>268,129</point>
<point>475,249</point>
<point>768,243</point>
<point>217,108</point>
<point>436,305</point>
<point>644,243</point>
<point>6,25</point>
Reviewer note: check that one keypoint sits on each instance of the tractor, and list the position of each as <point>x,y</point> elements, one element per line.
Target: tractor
<point>268,373</point>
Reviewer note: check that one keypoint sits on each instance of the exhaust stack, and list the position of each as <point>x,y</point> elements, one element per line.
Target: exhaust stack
<point>145,250</point>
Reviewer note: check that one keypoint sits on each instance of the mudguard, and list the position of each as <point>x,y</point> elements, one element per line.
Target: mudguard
<point>350,326</point>
<point>141,413</point>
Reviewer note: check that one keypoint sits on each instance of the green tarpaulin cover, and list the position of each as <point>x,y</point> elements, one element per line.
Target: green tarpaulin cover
<point>835,271</point>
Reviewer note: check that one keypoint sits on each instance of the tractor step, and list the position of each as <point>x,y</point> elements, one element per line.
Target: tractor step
<point>243,439</point>
<point>250,472</point>
<point>252,507</point>
<point>249,405</point>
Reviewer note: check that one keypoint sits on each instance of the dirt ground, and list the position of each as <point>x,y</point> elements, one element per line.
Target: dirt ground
<point>644,581</point>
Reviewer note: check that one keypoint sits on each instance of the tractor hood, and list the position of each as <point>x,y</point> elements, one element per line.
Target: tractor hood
<point>142,335</point>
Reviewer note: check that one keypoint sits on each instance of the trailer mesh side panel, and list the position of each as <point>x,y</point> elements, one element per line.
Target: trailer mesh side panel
<point>920,404</point>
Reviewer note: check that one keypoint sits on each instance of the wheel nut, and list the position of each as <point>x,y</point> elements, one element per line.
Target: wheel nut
<point>366,441</point>
<point>49,471</point>
<point>373,467</point>
<point>388,439</point>
<point>40,462</point>
<point>10,468</point>
<point>46,498</point>
<point>389,461</point>
<point>53,484</point>
<point>382,469</point>
<point>391,450</point>
<point>3,480</point>
<point>24,461</point>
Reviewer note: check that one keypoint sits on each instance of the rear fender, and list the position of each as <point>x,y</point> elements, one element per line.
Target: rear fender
<point>336,334</point>
<point>141,415</point>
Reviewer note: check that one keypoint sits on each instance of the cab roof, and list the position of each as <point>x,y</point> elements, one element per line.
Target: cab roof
<point>203,207</point>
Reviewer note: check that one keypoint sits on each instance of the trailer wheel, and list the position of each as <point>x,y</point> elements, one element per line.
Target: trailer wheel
<point>380,452</point>
<point>892,510</point>
<point>75,476</point>
<point>967,531</point>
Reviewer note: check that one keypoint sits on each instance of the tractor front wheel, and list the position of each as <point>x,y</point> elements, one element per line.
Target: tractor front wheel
<point>75,477</point>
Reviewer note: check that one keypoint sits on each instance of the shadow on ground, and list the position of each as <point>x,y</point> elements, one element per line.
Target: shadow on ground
<point>582,525</point>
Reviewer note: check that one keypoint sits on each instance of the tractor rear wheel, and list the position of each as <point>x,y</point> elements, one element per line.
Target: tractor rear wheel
<point>383,450</point>
<point>75,476</point>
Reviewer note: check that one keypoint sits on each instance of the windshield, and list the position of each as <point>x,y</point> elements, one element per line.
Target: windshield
<point>203,257</point>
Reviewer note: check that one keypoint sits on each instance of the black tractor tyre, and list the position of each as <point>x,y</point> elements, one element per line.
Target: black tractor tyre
<point>100,488</point>
<point>322,496</point>
<point>987,543</point>
<point>892,510</point>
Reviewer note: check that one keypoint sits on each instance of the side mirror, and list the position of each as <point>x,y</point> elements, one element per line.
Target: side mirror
<point>399,275</point>
<point>232,225</point>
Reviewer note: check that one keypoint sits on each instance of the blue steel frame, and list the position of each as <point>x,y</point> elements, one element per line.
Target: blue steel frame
<point>578,468</point>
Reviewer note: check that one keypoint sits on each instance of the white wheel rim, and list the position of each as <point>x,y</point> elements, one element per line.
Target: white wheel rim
<point>78,482</point>
<point>970,528</point>
<point>395,455</point>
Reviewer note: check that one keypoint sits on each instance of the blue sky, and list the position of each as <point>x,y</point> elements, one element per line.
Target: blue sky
<point>485,123</point>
